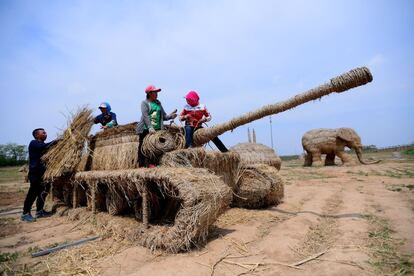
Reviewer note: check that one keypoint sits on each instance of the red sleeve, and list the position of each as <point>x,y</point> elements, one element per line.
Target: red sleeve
<point>206,113</point>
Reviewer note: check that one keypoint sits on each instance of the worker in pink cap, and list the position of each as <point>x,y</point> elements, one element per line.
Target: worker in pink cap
<point>152,119</point>
<point>195,114</point>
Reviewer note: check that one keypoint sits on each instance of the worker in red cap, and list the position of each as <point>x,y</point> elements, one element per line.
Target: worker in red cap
<point>195,114</point>
<point>152,119</point>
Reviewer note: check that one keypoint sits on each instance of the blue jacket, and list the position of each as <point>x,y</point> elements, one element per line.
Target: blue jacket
<point>108,118</point>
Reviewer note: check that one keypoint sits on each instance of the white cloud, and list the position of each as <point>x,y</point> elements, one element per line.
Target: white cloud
<point>376,60</point>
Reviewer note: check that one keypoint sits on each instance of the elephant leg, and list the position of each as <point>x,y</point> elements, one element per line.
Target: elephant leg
<point>317,159</point>
<point>308,160</point>
<point>345,158</point>
<point>330,159</point>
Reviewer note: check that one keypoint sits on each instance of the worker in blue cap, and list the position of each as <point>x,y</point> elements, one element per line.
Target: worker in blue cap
<point>107,119</point>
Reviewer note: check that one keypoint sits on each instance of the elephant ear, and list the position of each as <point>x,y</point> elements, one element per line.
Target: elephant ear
<point>345,134</point>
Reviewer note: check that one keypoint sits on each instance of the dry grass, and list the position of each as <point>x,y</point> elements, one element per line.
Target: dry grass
<point>384,249</point>
<point>322,236</point>
<point>202,197</point>
<point>163,141</point>
<point>82,260</point>
<point>112,149</point>
<point>63,158</point>
<point>225,165</point>
<point>254,153</point>
<point>259,186</point>
<point>346,81</point>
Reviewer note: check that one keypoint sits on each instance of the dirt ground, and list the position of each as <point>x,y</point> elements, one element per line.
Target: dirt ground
<point>355,220</point>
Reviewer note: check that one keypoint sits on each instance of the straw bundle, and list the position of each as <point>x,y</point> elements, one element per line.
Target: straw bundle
<point>115,148</point>
<point>201,198</point>
<point>276,194</point>
<point>162,141</point>
<point>351,79</point>
<point>259,186</point>
<point>254,153</point>
<point>63,157</point>
<point>252,190</point>
<point>226,165</point>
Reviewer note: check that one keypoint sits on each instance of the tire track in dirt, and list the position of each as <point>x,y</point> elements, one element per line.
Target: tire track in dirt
<point>289,234</point>
<point>322,235</point>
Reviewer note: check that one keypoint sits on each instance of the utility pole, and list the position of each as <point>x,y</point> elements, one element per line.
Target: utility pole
<point>271,132</point>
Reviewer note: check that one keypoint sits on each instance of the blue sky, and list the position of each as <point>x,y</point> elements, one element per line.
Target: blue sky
<point>239,55</point>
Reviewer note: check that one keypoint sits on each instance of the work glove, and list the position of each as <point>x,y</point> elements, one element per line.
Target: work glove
<point>173,114</point>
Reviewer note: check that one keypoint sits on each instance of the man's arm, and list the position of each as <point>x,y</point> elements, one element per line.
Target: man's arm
<point>52,143</point>
<point>97,119</point>
<point>113,122</point>
<point>207,115</point>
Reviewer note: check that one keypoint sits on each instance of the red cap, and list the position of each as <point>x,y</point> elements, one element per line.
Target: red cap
<point>152,88</point>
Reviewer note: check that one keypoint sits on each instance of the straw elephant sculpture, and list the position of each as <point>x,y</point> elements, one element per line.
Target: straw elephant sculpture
<point>331,142</point>
<point>179,200</point>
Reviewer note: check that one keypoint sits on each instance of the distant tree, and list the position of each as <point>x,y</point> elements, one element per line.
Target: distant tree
<point>13,154</point>
<point>369,147</point>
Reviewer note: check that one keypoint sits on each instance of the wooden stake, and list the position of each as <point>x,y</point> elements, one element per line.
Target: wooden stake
<point>93,194</point>
<point>75,202</point>
<point>145,207</point>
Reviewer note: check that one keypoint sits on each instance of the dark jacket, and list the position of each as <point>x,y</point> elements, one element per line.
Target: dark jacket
<point>105,118</point>
<point>36,150</point>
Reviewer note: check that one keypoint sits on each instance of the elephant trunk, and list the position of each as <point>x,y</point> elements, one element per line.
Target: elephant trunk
<point>359,155</point>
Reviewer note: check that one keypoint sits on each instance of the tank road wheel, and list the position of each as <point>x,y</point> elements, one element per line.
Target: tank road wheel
<point>259,186</point>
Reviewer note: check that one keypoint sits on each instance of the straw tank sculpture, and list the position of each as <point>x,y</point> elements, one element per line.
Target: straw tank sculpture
<point>331,142</point>
<point>175,204</point>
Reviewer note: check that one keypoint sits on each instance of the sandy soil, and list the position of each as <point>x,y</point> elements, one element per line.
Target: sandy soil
<point>360,217</point>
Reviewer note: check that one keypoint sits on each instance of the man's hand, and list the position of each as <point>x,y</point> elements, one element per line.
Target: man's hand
<point>202,120</point>
<point>173,114</point>
<point>104,127</point>
<point>184,117</point>
<point>151,131</point>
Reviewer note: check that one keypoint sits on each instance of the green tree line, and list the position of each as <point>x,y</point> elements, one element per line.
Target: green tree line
<point>13,154</point>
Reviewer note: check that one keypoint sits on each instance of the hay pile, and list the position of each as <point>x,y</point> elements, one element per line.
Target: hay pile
<point>64,157</point>
<point>201,198</point>
<point>255,153</point>
<point>113,149</point>
<point>225,165</point>
<point>259,186</point>
<point>254,185</point>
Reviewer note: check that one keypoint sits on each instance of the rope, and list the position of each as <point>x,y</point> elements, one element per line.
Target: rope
<point>351,79</point>
<point>162,141</point>
<point>348,80</point>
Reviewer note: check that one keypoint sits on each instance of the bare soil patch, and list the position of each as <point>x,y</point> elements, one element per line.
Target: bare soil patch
<point>355,220</point>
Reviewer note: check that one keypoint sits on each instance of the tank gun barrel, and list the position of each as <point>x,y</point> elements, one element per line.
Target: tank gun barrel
<point>354,78</point>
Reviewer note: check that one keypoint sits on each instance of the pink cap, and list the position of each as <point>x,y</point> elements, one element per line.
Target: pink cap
<point>152,88</point>
<point>192,98</point>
